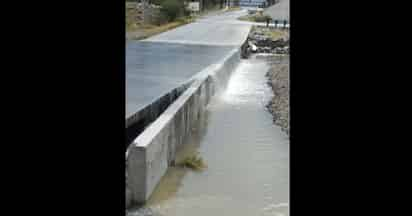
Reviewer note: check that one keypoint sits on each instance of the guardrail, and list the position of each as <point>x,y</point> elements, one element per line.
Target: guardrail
<point>279,23</point>
<point>257,3</point>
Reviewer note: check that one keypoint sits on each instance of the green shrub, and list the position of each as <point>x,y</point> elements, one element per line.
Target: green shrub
<point>262,18</point>
<point>172,9</point>
<point>186,12</point>
<point>161,19</point>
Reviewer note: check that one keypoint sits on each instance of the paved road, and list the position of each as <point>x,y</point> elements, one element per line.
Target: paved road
<point>159,64</point>
<point>279,11</point>
<point>223,30</point>
<point>153,69</point>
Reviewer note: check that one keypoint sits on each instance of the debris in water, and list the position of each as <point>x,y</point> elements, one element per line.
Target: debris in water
<point>193,162</point>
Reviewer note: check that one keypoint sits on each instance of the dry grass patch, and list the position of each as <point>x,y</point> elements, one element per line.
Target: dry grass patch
<point>194,162</point>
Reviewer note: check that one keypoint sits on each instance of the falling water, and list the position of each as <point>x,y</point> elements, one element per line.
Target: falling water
<point>247,156</point>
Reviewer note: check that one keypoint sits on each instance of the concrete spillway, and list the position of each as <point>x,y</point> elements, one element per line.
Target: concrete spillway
<point>166,93</point>
<point>246,155</point>
<point>154,69</point>
<point>247,159</point>
<point>159,68</point>
<point>151,153</point>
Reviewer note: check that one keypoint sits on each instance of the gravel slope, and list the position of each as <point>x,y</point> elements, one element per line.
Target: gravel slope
<point>278,77</point>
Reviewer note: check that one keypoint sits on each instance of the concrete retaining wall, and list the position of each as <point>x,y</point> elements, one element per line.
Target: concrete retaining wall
<point>154,150</point>
<point>137,122</point>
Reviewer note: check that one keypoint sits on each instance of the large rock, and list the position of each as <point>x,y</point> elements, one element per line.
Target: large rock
<point>253,47</point>
<point>261,37</point>
<point>278,43</point>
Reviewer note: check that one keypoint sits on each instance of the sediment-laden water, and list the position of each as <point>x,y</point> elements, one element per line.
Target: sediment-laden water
<point>247,156</point>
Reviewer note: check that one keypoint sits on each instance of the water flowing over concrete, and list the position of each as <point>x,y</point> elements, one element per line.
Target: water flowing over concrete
<point>158,69</point>
<point>187,59</point>
<point>223,30</point>
<point>151,153</point>
<point>153,69</point>
<point>247,156</point>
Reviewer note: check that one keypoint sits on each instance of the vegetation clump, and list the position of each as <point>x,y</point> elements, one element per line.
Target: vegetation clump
<point>172,9</point>
<point>193,162</point>
<point>255,18</point>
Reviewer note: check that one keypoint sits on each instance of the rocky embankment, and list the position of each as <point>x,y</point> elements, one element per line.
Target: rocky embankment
<point>278,79</point>
<point>266,40</point>
<point>276,42</point>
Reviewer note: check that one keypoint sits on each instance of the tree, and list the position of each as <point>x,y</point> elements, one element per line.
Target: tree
<point>172,8</point>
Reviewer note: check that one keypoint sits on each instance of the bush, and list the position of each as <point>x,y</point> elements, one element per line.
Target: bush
<point>172,9</point>
<point>161,19</point>
<point>262,18</point>
<point>186,12</point>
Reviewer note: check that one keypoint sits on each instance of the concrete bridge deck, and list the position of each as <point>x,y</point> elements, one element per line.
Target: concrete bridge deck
<point>153,69</point>
<point>207,50</point>
<point>163,62</point>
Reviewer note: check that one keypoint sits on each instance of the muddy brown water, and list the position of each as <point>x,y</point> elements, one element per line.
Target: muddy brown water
<point>247,156</point>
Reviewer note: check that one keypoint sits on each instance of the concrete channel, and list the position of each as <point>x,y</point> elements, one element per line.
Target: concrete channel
<point>159,129</point>
<point>153,151</point>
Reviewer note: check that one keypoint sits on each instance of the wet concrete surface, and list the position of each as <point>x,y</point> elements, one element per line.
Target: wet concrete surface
<point>247,156</point>
<point>161,63</point>
<point>223,29</point>
<point>153,69</point>
<point>279,11</point>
